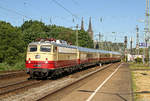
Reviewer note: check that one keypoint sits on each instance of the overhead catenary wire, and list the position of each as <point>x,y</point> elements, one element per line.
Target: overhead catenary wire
<point>16,12</point>
<point>67,10</point>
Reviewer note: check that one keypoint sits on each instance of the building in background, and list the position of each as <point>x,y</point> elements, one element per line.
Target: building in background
<point>90,31</point>
<point>108,45</point>
<point>82,24</point>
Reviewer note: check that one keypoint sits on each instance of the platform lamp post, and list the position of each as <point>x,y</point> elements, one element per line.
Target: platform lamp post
<point>131,41</point>
<point>147,26</point>
<point>125,48</point>
<point>147,49</point>
<point>77,35</point>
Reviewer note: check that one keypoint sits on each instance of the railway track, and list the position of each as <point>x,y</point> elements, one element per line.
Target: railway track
<point>39,90</point>
<point>10,71</point>
<point>16,86</point>
<point>19,87</point>
<point>12,74</point>
<point>56,91</point>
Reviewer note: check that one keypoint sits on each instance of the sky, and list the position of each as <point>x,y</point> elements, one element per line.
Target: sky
<point>112,18</point>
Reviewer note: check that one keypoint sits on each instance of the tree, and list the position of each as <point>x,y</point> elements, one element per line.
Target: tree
<point>62,33</point>
<point>11,43</point>
<point>32,30</point>
<point>35,29</point>
<point>84,39</point>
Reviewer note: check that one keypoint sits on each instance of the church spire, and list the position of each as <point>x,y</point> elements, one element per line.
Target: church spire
<point>90,26</point>
<point>82,24</point>
<point>90,31</point>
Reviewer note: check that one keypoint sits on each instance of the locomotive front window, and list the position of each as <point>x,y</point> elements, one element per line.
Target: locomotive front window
<point>45,48</point>
<point>32,48</point>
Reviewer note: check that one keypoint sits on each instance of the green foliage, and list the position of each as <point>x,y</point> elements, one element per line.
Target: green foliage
<point>134,65</point>
<point>134,85</point>
<point>4,67</point>
<point>85,40</point>
<point>32,30</point>
<point>62,33</point>
<point>138,60</point>
<point>11,43</point>
<point>18,66</point>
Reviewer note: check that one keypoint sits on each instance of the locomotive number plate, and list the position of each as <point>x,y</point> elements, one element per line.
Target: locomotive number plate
<point>36,65</point>
<point>37,56</point>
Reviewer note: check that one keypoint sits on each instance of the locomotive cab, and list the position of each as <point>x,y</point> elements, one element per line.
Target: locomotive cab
<point>40,58</point>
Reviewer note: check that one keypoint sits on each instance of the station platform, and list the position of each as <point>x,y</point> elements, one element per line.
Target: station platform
<point>111,85</point>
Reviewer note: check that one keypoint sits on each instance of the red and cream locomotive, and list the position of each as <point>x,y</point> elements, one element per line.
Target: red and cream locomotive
<point>46,58</point>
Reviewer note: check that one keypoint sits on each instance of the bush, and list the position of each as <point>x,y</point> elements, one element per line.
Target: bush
<point>146,60</point>
<point>138,60</point>
<point>18,66</point>
<point>4,67</point>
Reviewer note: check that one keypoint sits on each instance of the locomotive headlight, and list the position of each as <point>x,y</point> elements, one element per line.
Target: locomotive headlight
<point>29,61</point>
<point>46,60</point>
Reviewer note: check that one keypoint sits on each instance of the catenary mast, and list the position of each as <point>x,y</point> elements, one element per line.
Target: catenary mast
<point>147,23</point>
<point>146,29</point>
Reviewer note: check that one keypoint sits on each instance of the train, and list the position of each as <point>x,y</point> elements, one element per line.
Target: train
<point>48,58</point>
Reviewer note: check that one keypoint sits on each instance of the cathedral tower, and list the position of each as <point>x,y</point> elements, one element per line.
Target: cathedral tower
<point>82,24</point>
<point>90,31</point>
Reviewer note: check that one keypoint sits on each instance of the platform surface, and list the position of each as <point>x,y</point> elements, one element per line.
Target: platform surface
<point>113,86</point>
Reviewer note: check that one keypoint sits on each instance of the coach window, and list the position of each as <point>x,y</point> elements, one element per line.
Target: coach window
<point>45,48</point>
<point>32,48</point>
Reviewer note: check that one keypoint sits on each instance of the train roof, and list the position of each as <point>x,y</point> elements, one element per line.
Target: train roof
<point>98,51</point>
<point>75,47</point>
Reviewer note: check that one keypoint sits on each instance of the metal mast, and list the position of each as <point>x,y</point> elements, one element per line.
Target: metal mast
<point>147,22</point>
<point>125,48</point>
<point>131,41</point>
<point>100,41</point>
<point>137,39</point>
<point>125,42</point>
<point>146,29</point>
<point>77,35</point>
